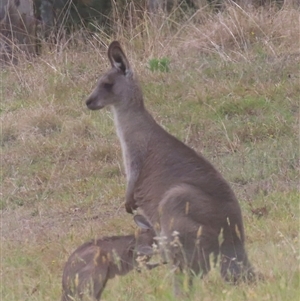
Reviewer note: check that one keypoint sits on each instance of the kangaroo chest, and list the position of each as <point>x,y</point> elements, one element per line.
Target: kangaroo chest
<point>131,154</point>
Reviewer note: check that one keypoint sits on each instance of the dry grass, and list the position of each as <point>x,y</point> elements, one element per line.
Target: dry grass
<point>232,93</point>
<point>238,31</point>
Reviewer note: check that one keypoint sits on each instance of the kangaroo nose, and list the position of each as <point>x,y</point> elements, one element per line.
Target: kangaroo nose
<point>93,104</point>
<point>89,101</point>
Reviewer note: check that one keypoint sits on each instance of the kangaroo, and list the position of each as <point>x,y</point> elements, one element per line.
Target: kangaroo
<point>93,263</point>
<point>177,189</point>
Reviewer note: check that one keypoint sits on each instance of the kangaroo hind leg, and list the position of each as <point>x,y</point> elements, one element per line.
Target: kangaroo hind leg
<point>234,261</point>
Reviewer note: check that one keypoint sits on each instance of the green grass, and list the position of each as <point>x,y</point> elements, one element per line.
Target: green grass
<point>161,65</point>
<point>62,177</point>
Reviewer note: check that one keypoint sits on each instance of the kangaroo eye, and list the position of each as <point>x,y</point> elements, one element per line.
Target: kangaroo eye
<point>107,86</point>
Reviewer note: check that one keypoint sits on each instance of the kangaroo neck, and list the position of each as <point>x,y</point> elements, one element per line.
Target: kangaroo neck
<point>134,128</point>
<point>132,122</point>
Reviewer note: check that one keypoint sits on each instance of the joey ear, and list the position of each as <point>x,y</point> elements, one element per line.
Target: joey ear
<point>118,58</point>
<point>142,222</point>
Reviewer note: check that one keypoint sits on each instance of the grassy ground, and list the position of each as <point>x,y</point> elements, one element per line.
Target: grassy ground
<point>232,93</point>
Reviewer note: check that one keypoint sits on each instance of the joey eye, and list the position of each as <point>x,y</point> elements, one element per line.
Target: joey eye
<point>107,86</point>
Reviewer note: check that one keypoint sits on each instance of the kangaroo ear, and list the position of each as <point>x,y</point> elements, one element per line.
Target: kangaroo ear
<point>141,221</point>
<point>118,58</point>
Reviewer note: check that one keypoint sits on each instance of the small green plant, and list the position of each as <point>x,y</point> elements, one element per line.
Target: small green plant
<point>161,65</point>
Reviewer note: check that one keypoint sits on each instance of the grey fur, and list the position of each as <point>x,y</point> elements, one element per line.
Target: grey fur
<point>176,188</point>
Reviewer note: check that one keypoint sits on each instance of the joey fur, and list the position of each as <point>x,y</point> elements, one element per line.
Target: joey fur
<point>93,263</point>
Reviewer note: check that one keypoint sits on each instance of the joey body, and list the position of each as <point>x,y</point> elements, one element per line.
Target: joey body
<point>176,188</point>
<point>92,264</point>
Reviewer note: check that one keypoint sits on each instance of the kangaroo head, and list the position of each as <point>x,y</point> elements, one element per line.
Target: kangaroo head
<point>117,87</point>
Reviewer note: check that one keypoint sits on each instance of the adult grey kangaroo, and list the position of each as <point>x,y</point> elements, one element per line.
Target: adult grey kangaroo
<point>93,263</point>
<point>177,189</point>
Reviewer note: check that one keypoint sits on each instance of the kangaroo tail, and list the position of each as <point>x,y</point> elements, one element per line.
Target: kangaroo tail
<point>234,261</point>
